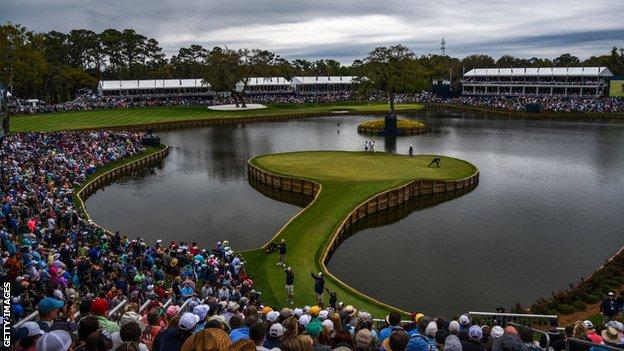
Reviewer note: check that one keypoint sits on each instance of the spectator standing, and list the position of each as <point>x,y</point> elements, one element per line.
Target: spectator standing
<point>319,286</point>
<point>608,307</point>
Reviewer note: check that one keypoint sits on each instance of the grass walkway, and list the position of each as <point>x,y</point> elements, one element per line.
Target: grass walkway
<point>138,116</point>
<point>347,179</point>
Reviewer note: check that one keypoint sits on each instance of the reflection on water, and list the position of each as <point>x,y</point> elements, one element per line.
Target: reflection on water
<point>547,210</point>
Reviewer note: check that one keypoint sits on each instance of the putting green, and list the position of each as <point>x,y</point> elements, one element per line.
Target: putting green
<point>150,115</point>
<point>347,179</point>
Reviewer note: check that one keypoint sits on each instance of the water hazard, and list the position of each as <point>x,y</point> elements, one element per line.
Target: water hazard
<point>548,208</point>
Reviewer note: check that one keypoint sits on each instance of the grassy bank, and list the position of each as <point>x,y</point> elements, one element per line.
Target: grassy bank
<point>347,179</point>
<point>139,116</point>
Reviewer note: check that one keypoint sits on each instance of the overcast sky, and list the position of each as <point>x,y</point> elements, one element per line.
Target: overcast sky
<point>345,29</point>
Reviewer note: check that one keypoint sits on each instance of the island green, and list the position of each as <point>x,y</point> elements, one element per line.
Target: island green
<point>347,179</point>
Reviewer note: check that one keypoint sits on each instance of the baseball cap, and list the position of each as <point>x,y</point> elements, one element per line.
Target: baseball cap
<point>201,311</point>
<point>172,310</point>
<point>272,316</point>
<point>432,329</point>
<point>464,320</point>
<point>611,293</point>
<point>33,328</point>
<point>99,306</point>
<point>323,315</point>
<point>131,316</point>
<point>277,330</point>
<point>298,312</point>
<point>315,310</point>
<point>57,340</point>
<point>588,324</point>
<point>305,320</point>
<point>188,321</point>
<point>453,327</point>
<point>48,304</point>
<point>475,332</point>
<point>285,312</point>
<point>497,332</point>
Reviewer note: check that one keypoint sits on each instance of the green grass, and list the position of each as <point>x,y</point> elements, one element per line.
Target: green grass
<point>347,179</point>
<point>138,116</point>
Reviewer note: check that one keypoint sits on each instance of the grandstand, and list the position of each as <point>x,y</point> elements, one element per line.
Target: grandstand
<point>544,81</point>
<point>322,84</point>
<point>265,85</point>
<point>181,87</point>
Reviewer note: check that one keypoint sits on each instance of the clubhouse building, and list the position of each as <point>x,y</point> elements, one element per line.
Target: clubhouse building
<point>182,87</point>
<point>303,85</point>
<point>549,81</point>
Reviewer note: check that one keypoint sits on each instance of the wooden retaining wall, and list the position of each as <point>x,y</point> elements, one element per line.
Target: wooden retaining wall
<point>407,131</point>
<point>379,202</point>
<point>106,178</point>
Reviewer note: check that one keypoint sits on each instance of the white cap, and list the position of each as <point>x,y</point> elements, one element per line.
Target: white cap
<point>464,319</point>
<point>497,331</point>
<point>277,330</point>
<point>272,316</point>
<point>131,316</point>
<point>33,328</point>
<point>432,329</point>
<point>56,340</point>
<point>188,321</point>
<point>588,324</point>
<point>305,320</point>
<point>201,311</point>
<point>454,327</point>
<point>328,324</point>
<point>323,315</point>
<point>298,312</point>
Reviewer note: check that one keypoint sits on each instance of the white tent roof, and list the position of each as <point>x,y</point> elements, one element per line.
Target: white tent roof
<point>540,72</point>
<point>106,85</point>
<point>324,80</point>
<point>257,81</point>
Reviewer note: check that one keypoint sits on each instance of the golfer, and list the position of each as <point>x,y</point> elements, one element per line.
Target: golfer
<point>281,248</point>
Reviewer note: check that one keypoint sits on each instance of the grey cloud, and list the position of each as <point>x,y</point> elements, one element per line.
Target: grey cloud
<point>530,28</point>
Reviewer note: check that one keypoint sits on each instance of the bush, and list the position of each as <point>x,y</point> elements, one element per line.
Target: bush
<point>401,124</point>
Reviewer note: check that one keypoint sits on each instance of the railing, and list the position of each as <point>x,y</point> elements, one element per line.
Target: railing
<point>503,319</point>
<point>117,308</point>
<point>536,331</point>
<point>588,345</point>
<point>28,318</point>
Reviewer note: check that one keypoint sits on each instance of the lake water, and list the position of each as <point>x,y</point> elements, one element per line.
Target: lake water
<point>548,208</point>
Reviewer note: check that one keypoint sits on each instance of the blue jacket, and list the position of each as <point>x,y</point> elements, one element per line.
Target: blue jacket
<point>239,334</point>
<point>418,343</point>
<point>385,332</point>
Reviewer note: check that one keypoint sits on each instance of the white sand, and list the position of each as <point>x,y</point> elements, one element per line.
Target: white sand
<point>232,107</point>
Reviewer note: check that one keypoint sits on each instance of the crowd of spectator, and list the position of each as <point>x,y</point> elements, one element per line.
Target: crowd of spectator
<point>511,103</point>
<point>97,291</point>
<point>519,103</point>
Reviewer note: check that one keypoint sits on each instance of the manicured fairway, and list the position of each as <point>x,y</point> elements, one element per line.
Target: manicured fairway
<point>347,179</point>
<point>138,116</point>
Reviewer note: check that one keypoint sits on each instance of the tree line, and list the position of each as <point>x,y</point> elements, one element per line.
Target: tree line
<point>53,66</point>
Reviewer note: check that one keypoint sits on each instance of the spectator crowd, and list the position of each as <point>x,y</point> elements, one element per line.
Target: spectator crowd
<point>96,292</point>
<point>511,103</point>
